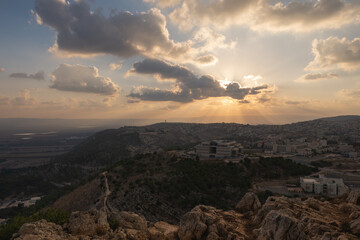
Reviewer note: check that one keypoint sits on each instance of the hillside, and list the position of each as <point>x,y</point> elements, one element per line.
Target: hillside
<point>110,146</point>
<point>163,186</point>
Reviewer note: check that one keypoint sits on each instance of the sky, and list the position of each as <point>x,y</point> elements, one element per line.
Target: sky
<point>246,61</point>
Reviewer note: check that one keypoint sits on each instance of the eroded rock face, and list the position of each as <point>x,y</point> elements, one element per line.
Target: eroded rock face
<point>205,222</point>
<point>42,230</point>
<point>281,225</point>
<point>280,218</point>
<point>88,223</point>
<point>284,218</point>
<point>250,202</point>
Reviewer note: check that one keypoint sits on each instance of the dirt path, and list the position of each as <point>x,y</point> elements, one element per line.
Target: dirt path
<point>106,205</point>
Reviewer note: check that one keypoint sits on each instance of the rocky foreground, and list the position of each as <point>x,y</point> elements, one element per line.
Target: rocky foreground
<point>279,218</point>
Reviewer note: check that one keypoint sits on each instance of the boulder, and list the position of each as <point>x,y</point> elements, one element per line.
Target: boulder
<point>280,225</point>
<point>250,202</point>
<point>163,231</point>
<point>88,223</point>
<point>129,220</point>
<point>42,230</point>
<point>82,223</point>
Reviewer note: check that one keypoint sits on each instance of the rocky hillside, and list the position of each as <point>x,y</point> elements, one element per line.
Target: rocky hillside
<point>279,218</point>
<point>164,186</point>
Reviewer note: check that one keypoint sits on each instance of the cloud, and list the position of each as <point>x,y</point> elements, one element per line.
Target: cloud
<point>188,87</point>
<point>207,59</point>
<point>2,69</point>
<point>83,32</point>
<point>349,93</point>
<point>317,77</point>
<point>4,100</point>
<point>306,15</point>
<point>78,78</point>
<point>290,102</point>
<point>37,76</point>
<point>24,99</point>
<point>335,53</point>
<point>223,12</point>
<point>164,3</point>
<point>114,66</point>
<point>294,15</point>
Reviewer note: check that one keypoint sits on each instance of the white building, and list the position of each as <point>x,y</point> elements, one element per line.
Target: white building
<point>324,185</point>
<point>218,149</point>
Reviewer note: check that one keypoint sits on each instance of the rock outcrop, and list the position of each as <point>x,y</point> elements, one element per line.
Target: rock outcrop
<point>205,222</point>
<point>250,202</point>
<point>42,230</point>
<point>280,218</point>
<point>163,231</point>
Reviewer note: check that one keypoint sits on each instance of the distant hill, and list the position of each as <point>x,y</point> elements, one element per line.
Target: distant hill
<point>342,118</point>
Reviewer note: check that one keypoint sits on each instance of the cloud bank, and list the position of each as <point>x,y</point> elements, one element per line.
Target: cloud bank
<point>23,99</point>
<point>81,31</point>
<point>78,78</point>
<point>306,15</point>
<point>267,15</point>
<point>188,87</point>
<point>37,76</point>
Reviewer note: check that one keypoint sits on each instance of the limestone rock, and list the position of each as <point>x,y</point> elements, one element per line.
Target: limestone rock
<point>163,231</point>
<point>204,222</point>
<point>250,202</point>
<point>42,230</point>
<point>129,220</point>
<point>82,223</point>
<point>88,223</point>
<point>280,225</point>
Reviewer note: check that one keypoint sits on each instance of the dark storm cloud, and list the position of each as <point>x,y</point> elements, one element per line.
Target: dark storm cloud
<point>188,87</point>
<point>81,31</point>
<point>37,76</point>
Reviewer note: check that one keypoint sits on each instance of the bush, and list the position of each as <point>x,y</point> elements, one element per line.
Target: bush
<point>113,222</point>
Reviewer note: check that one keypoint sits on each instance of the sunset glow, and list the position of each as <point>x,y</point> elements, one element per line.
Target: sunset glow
<point>189,59</point>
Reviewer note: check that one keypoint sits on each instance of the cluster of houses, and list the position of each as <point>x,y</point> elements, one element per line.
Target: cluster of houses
<point>298,147</point>
<point>226,149</point>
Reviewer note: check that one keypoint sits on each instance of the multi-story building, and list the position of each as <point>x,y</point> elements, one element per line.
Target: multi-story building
<point>324,185</point>
<point>218,149</point>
